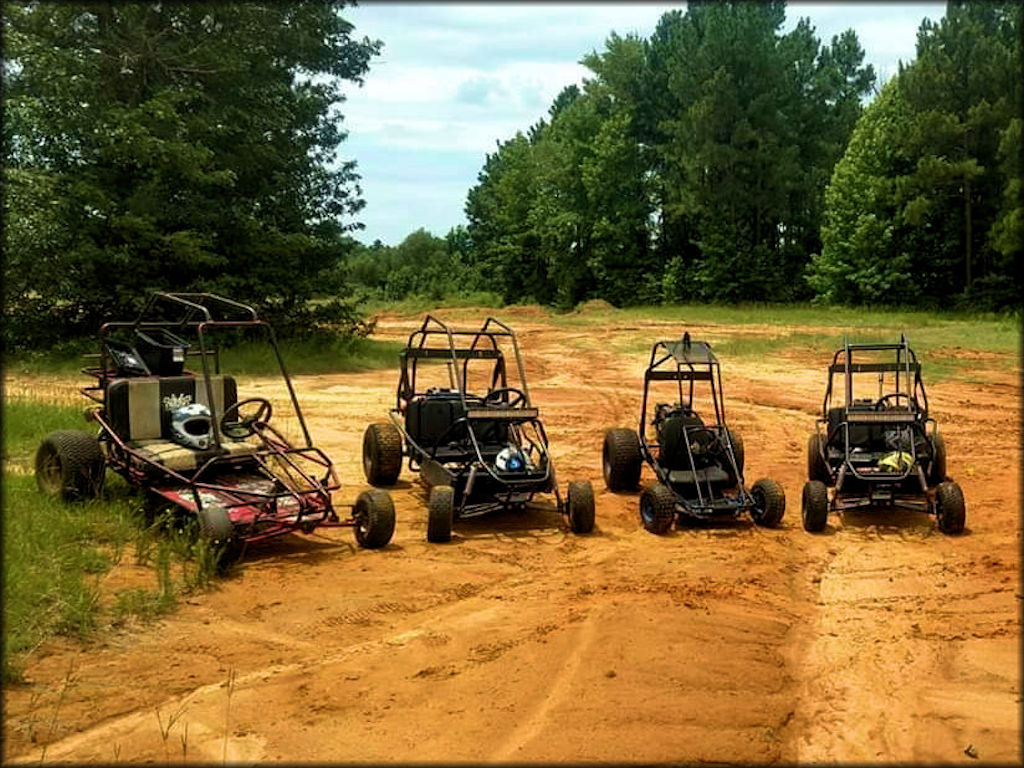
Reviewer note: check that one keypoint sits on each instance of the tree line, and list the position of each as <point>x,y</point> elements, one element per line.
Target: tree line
<point>174,146</point>
<point>723,160</point>
<point>193,146</point>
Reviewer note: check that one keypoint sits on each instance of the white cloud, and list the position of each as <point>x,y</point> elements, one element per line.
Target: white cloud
<point>455,108</point>
<point>455,78</point>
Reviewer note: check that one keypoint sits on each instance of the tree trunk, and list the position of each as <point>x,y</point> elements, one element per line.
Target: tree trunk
<point>967,234</point>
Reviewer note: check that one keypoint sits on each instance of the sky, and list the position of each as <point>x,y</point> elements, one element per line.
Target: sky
<point>453,79</point>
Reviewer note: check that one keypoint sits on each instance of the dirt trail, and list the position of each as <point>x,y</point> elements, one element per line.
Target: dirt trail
<point>878,640</point>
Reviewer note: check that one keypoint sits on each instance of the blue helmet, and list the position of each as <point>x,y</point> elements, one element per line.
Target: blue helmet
<point>511,459</point>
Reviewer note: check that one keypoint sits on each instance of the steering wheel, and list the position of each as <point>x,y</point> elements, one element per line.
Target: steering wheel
<point>883,402</point>
<point>236,426</point>
<point>517,397</point>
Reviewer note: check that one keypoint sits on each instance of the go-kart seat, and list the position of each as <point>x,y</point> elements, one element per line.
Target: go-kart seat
<point>673,455</point>
<point>431,418</point>
<point>672,438</point>
<point>870,438</point>
<point>139,411</point>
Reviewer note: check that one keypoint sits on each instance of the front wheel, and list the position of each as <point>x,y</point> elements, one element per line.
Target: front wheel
<point>70,465</point>
<point>937,468</point>
<point>374,514</point>
<point>217,530</point>
<point>769,502</point>
<point>580,503</point>
<point>814,509</point>
<point>657,508</point>
<point>440,513</point>
<point>950,508</point>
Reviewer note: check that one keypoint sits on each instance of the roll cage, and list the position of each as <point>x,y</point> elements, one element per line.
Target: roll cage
<point>292,496</point>
<point>900,409</point>
<point>687,362</point>
<point>510,408</point>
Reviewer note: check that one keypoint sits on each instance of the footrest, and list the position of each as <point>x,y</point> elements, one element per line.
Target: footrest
<point>714,475</point>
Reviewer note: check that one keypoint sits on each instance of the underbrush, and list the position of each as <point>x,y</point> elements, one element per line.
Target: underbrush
<point>56,555</point>
<point>319,353</point>
<point>412,305</point>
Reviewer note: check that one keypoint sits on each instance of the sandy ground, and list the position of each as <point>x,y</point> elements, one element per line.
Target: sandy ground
<point>878,640</point>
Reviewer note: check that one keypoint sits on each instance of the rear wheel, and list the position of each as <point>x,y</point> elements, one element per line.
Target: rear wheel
<point>814,507</point>
<point>817,469</point>
<point>937,469</point>
<point>580,502</point>
<point>440,513</point>
<point>950,508</point>
<point>382,453</point>
<point>70,465</point>
<point>620,459</point>
<point>374,514</point>
<point>657,508</point>
<point>769,502</point>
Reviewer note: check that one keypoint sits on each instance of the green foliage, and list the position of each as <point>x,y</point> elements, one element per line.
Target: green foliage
<point>925,206</point>
<point>422,265</point>
<point>172,146</point>
<point>690,166</point>
<point>864,257</point>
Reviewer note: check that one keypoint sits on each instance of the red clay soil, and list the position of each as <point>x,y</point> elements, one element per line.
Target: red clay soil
<point>878,640</point>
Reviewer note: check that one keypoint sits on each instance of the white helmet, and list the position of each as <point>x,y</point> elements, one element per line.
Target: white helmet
<point>192,426</point>
<point>511,459</point>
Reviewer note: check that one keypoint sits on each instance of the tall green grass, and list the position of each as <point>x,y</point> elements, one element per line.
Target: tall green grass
<point>54,554</point>
<point>27,421</point>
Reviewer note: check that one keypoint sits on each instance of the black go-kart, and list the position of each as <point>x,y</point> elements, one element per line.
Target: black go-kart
<point>475,452</point>
<point>186,439</point>
<point>882,450</point>
<point>697,460</point>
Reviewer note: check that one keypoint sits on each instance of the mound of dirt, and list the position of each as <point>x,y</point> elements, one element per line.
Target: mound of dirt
<point>594,306</point>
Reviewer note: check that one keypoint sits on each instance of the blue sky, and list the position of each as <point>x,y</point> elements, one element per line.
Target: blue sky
<point>455,78</point>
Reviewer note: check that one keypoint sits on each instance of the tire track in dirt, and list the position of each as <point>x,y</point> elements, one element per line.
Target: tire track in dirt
<point>896,635</point>
<point>529,728</point>
<point>915,635</point>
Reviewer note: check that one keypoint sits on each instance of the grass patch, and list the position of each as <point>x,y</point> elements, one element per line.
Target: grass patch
<point>27,422</point>
<point>52,555</point>
<point>55,554</point>
<point>343,354</point>
<point>802,333</point>
<point>413,305</point>
<point>64,358</point>
<point>987,332</point>
<point>339,354</point>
